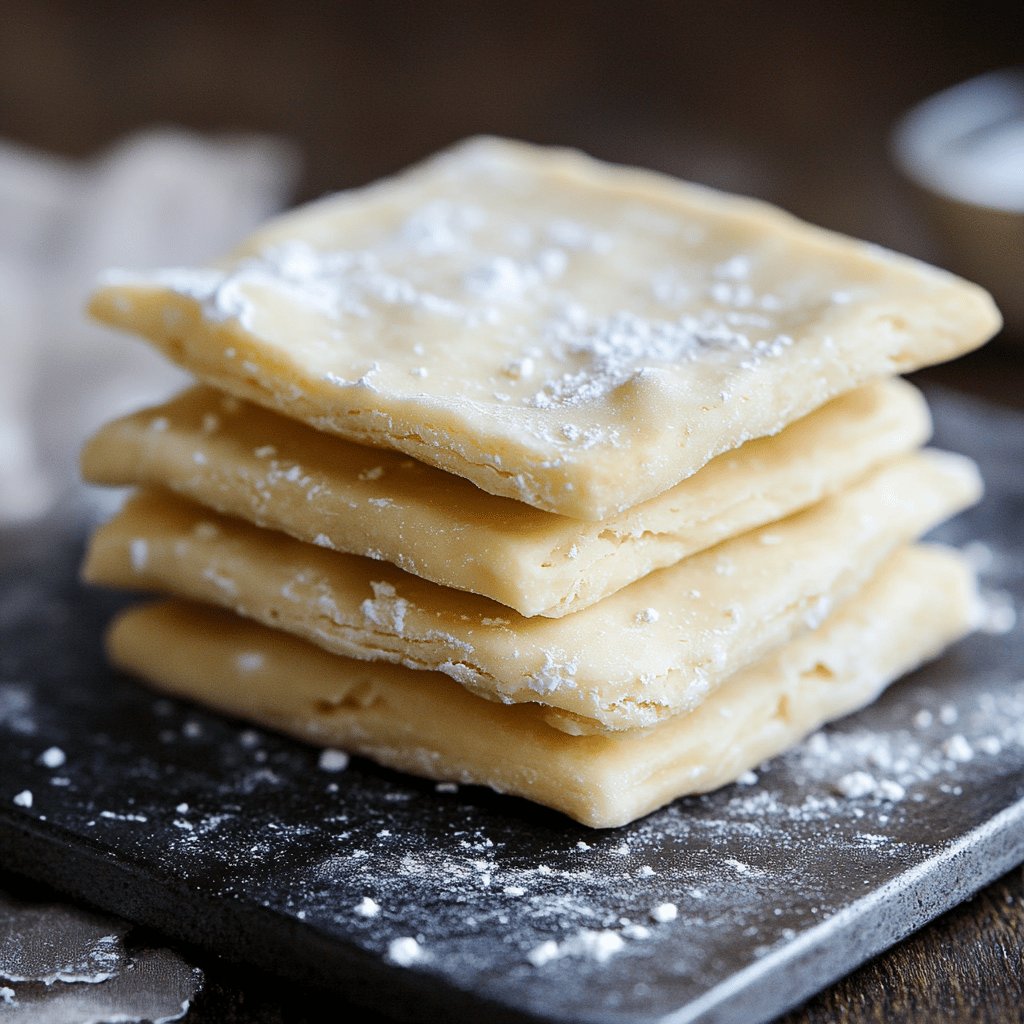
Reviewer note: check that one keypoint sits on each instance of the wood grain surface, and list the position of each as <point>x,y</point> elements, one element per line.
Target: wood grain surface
<point>967,966</point>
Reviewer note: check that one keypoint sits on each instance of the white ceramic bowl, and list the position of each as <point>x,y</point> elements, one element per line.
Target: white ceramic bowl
<point>964,150</point>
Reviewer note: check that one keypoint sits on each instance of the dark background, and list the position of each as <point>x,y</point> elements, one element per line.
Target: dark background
<point>791,101</point>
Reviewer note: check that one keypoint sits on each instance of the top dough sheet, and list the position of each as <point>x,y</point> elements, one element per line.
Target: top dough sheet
<point>570,334</point>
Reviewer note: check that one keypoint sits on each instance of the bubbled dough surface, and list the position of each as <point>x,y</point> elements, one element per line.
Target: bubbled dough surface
<point>570,334</point>
<point>426,724</point>
<point>654,649</point>
<point>248,462</point>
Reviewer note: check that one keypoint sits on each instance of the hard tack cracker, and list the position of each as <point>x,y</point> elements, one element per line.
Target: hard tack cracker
<point>576,336</point>
<point>653,649</point>
<point>249,462</point>
<point>426,724</point>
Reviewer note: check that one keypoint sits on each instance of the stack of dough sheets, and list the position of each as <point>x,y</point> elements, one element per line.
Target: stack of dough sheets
<point>524,470</point>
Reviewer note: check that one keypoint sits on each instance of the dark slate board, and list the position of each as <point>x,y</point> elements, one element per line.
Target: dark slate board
<point>781,886</point>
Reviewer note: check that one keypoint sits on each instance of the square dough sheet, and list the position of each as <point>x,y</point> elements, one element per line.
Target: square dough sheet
<point>574,335</point>
<point>426,724</point>
<point>248,462</point>
<point>654,649</point>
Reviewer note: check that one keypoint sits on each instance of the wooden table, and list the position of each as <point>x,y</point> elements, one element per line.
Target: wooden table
<point>967,966</point>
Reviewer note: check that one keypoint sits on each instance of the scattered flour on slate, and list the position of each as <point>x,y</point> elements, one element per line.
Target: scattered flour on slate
<point>16,712</point>
<point>332,760</point>
<point>406,951</point>
<point>461,886</point>
<point>53,757</point>
<point>385,877</point>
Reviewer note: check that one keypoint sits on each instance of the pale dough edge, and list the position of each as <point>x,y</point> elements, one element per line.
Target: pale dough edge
<point>372,611</point>
<point>425,724</point>
<point>518,555</point>
<point>446,437</point>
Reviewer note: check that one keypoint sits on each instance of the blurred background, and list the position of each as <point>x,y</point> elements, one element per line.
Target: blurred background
<point>792,101</point>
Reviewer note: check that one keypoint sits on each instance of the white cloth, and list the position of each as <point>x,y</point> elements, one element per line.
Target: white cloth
<point>158,198</point>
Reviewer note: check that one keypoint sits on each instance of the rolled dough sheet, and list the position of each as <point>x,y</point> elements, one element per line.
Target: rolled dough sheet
<point>426,724</point>
<point>574,335</point>
<point>653,649</point>
<point>251,463</point>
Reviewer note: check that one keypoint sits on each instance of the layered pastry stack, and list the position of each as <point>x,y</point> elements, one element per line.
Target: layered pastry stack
<point>524,470</point>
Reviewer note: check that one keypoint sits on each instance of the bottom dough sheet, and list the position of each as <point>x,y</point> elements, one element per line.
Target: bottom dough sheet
<point>426,724</point>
